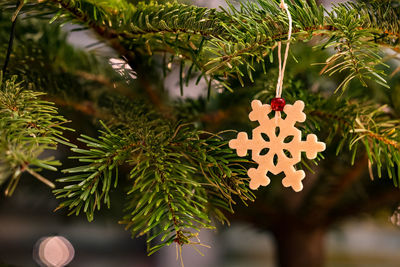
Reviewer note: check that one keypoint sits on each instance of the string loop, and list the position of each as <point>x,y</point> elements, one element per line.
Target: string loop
<point>282,67</point>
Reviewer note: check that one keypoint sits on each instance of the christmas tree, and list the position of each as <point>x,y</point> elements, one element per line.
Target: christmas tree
<point>167,153</point>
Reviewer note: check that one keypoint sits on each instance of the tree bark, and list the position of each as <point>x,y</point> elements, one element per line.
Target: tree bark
<point>298,245</point>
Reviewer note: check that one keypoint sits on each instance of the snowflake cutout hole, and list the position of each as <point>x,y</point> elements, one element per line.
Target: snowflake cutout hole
<point>277,145</point>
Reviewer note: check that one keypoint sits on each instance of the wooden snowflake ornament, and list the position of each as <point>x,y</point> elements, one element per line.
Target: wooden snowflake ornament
<point>284,144</point>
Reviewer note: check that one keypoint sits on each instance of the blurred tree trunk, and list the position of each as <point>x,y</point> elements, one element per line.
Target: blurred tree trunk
<point>299,245</point>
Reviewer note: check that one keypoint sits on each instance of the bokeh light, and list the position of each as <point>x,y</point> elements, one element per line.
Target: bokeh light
<point>53,251</point>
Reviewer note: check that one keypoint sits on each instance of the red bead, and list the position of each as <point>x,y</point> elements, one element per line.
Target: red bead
<point>277,104</point>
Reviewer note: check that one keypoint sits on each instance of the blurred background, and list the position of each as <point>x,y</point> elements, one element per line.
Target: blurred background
<point>28,217</point>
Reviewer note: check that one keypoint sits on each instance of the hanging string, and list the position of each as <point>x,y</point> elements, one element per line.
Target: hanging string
<point>282,67</point>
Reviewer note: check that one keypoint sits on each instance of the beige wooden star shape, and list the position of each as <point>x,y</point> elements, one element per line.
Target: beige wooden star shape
<point>282,149</point>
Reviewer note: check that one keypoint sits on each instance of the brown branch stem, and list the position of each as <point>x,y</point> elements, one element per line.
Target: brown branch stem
<point>85,107</point>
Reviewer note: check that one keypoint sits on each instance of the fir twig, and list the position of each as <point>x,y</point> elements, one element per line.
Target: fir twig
<point>28,127</point>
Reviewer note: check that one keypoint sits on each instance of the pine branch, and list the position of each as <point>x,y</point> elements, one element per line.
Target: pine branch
<point>231,42</point>
<point>355,52</point>
<point>49,63</point>
<point>373,128</point>
<point>72,78</point>
<point>165,202</point>
<point>178,179</point>
<point>28,127</point>
<point>111,35</point>
<point>93,181</point>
